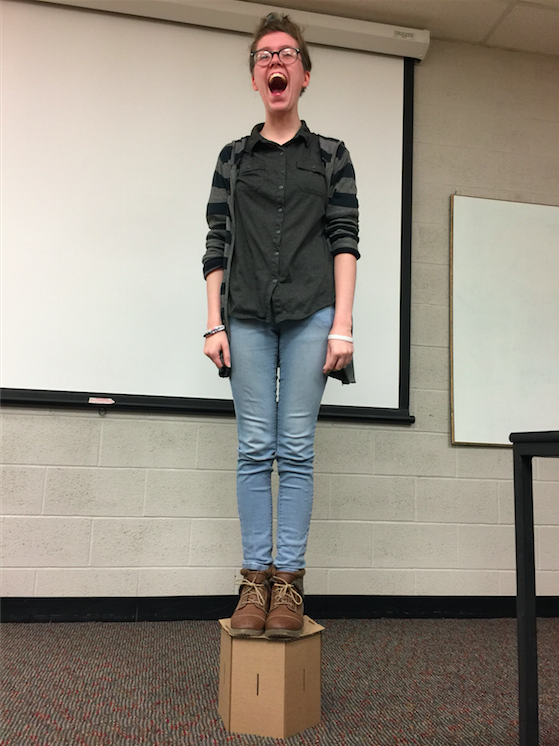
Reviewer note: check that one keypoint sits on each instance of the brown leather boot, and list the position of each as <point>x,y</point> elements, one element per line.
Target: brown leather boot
<point>285,618</point>
<point>249,617</point>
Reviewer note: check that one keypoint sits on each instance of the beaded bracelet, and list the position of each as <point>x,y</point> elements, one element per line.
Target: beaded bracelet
<point>341,337</point>
<point>215,330</point>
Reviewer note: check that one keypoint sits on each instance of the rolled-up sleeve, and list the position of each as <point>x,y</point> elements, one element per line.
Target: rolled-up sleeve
<point>217,215</point>
<point>342,211</point>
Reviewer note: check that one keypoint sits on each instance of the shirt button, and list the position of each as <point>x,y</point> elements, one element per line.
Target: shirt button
<point>280,209</point>
<point>281,186</point>
<point>274,281</point>
<point>278,231</point>
<point>276,253</point>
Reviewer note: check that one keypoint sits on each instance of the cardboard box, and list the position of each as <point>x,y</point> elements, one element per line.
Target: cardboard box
<point>270,687</point>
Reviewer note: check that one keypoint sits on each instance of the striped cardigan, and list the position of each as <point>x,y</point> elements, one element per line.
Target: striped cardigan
<point>341,210</point>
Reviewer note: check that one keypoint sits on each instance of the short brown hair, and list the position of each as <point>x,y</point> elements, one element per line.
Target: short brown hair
<point>279,22</point>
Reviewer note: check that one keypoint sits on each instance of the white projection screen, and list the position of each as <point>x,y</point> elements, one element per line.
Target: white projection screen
<point>111,127</point>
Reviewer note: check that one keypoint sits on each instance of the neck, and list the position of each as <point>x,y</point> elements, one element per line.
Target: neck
<point>281,127</point>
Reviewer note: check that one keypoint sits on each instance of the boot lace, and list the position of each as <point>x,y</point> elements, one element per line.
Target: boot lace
<point>253,592</point>
<point>285,592</point>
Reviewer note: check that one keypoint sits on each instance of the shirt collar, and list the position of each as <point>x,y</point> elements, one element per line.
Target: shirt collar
<point>255,136</point>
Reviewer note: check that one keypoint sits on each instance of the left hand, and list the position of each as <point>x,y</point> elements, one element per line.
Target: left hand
<point>338,355</point>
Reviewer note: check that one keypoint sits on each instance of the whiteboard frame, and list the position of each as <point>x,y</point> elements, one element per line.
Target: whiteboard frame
<point>484,411</point>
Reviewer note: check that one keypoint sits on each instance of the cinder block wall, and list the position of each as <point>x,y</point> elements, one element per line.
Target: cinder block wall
<point>128,505</point>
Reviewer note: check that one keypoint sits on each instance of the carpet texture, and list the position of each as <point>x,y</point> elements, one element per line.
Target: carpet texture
<point>385,683</point>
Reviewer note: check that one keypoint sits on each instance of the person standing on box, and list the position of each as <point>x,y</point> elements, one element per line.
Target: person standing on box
<point>280,267</point>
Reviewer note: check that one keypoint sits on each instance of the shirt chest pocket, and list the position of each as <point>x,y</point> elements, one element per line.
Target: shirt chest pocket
<point>251,173</point>
<point>311,177</point>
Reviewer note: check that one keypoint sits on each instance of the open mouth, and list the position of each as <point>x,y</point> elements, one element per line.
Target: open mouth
<point>277,83</point>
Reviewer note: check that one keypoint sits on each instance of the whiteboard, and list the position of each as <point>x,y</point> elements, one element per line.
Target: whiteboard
<point>111,130</point>
<point>505,319</point>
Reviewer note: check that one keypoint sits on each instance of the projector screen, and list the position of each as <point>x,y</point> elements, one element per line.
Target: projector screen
<point>111,129</point>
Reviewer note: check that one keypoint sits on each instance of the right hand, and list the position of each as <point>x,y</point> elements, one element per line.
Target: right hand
<point>213,345</point>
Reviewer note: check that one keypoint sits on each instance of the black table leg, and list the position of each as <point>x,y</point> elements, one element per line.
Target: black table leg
<point>526,601</point>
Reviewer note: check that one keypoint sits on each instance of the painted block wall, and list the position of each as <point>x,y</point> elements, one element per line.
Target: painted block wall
<point>127,505</point>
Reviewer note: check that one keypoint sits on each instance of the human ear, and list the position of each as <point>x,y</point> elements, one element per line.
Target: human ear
<point>254,86</point>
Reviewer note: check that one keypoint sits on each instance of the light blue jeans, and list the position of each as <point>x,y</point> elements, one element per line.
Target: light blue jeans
<point>277,420</point>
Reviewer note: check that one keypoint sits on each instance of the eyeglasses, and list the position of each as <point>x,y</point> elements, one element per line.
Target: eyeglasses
<point>263,57</point>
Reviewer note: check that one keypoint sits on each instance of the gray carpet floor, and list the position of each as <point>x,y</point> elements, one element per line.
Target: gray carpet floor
<point>385,683</point>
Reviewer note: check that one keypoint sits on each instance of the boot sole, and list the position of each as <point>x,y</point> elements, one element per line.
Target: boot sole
<point>246,632</point>
<point>282,633</point>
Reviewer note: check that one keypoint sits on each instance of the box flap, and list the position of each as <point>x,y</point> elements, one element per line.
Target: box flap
<point>310,627</point>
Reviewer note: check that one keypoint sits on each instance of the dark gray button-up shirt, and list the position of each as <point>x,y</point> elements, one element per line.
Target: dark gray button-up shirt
<point>283,266</point>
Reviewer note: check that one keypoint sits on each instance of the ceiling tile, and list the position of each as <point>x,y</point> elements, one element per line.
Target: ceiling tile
<point>549,3</point>
<point>529,28</point>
